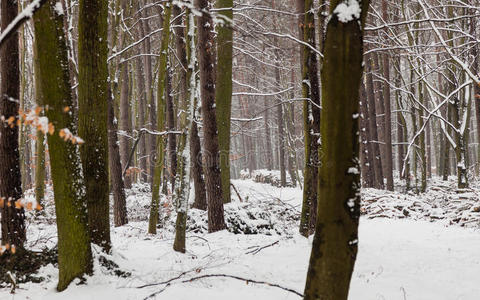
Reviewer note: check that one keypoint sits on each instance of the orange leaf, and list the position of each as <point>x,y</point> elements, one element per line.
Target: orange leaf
<point>51,128</point>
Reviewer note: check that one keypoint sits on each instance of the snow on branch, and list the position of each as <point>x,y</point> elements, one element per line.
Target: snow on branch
<point>21,18</point>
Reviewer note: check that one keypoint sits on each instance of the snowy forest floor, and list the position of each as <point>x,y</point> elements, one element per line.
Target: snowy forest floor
<point>411,247</point>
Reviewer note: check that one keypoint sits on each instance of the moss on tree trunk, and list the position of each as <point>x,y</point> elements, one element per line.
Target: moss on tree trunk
<point>74,254</point>
<point>336,237</point>
<point>92,114</point>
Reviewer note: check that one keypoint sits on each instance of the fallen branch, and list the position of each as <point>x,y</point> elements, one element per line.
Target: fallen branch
<point>244,279</point>
<point>169,282</point>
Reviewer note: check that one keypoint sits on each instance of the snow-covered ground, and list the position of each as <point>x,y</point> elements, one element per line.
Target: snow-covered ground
<point>409,258</point>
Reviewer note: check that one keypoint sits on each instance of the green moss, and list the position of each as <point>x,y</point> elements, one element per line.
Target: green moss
<point>74,254</point>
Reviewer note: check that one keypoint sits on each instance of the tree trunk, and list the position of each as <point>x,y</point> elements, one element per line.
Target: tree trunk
<point>160,157</point>
<point>185,47</point>
<point>13,219</point>
<point>93,115</point>
<point>172,140</point>
<point>377,160</point>
<point>311,115</point>
<point>206,49</point>
<point>388,112</point>
<point>335,242</point>
<point>74,254</point>
<point>116,172</point>
<point>223,90</point>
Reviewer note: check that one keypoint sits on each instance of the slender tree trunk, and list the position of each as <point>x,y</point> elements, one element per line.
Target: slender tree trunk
<point>268,144</point>
<point>311,115</point>
<point>388,112</point>
<point>93,115</point>
<point>366,147</point>
<point>335,242</point>
<point>377,159</point>
<point>185,47</point>
<point>74,254</point>
<point>206,49</point>
<point>161,103</point>
<point>116,172</point>
<point>12,219</point>
<point>142,105</point>
<point>171,139</point>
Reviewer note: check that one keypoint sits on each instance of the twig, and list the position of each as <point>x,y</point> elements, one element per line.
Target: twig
<point>160,283</point>
<point>236,191</point>
<point>258,248</point>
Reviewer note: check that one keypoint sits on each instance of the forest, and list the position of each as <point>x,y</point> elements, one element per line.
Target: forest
<point>241,149</point>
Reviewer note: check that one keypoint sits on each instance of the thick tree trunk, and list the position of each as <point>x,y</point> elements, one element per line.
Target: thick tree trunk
<point>335,242</point>
<point>74,254</point>
<point>93,115</point>
<point>206,48</point>
<point>13,219</point>
<point>223,90</point>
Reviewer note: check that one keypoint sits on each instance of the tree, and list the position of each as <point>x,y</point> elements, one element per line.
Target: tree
<point>223,90</point>
<point>74,253</point>
<point>13,219</point>
<point>311,117</point>
<point>206,58</point>
<point>92,114</point>
<point>186,55</point>
<point>162,74</point>
<point>336,237</point>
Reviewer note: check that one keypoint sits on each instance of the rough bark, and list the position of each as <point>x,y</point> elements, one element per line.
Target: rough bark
<point>223,90</point>
<point>74,254</point>
<point>311,115</point>
<point>93,115</point>
<point>116,172</point>
<point>160,156</point>
<point>206,54</point>
<point>335,242</point>
<point>377,159</point>
<point>12,219</point>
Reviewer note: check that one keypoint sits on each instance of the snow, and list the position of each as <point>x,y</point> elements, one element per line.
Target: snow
<point>59,8</point>
<point>409,258</point>
<point>348,10</point>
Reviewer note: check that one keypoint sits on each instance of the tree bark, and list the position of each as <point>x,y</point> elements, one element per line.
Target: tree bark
<point>116,172</point>
<point>13,219</point>
<point>335,243</point>
<point>93,115</point>
<point>160,157</point>
<point>206,54</point>
<point>311,115</point>
<point>223,90</point>
<point>74,254</point>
